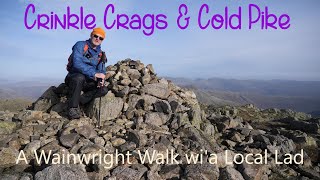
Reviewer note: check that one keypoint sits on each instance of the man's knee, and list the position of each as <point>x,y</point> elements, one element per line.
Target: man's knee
<point>77,78</point>
<point>102,91</point>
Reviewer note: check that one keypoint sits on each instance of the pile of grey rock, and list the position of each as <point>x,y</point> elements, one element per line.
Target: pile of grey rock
<point>144,114</point>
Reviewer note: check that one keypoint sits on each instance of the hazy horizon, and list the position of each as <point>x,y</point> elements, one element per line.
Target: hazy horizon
<point>61,80</point>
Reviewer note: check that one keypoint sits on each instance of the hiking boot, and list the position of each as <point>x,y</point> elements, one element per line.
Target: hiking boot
<point>74,113</point>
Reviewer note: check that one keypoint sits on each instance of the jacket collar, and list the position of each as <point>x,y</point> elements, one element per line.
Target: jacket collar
<point>98,48</point>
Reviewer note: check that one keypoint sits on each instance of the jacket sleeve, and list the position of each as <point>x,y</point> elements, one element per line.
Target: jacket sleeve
<point>81,63</point>
<point>102,68</point>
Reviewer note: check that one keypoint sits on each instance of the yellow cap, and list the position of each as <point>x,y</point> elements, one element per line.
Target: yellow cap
<point>99,31</point>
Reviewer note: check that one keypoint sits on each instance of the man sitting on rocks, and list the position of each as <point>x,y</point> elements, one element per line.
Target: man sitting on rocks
<point>87,72</point>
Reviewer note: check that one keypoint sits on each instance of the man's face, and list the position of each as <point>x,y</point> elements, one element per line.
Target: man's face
<point>96,39</point>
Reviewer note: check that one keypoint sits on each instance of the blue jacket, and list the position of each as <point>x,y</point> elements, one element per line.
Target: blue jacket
<point>84,65</point>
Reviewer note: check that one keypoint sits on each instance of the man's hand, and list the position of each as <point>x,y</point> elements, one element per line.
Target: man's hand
<point>99,76</point>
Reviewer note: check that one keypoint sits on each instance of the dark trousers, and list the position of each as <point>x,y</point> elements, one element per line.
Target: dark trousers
<point>78,82</point>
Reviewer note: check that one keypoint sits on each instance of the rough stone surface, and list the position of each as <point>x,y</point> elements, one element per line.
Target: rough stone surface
<point>16,176</point>
<point>229,173</point>
<point>158,90</point>
<point>69,140</point>
<point>47,100</point>
<point>7,127</point>
<point>254,171</point>
<point>157,119</point>
<point>127,173</point>
<point>142,114</point>
<point>8,157</point>
<point>202,171</point>
<point>59,172</point>
<point>110,109</point>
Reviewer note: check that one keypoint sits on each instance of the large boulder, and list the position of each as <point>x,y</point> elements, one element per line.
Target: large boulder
<point>111,107</point>
<point>47,100</point>
<point>159,90</point>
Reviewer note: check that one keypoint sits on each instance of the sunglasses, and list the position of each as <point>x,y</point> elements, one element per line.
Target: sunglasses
<point>96,36</point>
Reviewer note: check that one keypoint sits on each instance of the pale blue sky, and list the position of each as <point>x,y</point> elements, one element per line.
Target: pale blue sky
<point>240,54</point>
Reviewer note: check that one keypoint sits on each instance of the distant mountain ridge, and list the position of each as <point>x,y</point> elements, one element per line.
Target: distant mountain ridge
<point>266,87</point>
<point>297,95</point>
<point>30,89</point>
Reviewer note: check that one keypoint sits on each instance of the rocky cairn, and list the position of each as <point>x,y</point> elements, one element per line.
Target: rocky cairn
<point>144,114</point>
